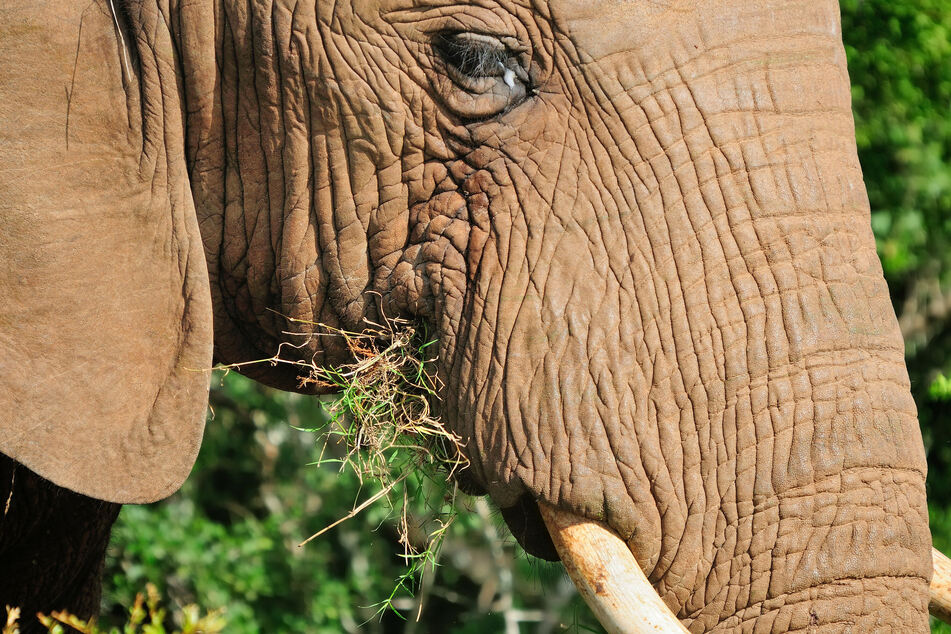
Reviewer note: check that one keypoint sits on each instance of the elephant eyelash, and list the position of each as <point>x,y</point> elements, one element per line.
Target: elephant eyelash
<point>475,56</point>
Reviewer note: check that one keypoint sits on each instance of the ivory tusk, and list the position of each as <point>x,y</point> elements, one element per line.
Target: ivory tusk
<point>940,604</point>
<point>607,575</point>
<point>614,586</point>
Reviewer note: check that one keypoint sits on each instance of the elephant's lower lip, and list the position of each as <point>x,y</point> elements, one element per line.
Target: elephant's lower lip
<point>607,575</point>
<point>527,526</point>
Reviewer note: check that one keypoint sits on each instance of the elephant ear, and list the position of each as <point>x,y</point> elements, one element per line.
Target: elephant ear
<point>105,316</point>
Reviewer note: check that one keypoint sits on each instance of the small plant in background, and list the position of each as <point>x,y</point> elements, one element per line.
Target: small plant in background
<point>146,617</point>
<point>940,388</point>
<point>13,618</point>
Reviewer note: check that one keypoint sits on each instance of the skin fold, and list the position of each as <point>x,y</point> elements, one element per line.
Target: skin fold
<point>638,230</point>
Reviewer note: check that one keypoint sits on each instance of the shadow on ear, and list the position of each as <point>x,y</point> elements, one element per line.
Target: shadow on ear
<point>105,321</point>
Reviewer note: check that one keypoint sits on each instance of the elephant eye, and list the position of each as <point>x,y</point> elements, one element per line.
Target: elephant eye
<point>488,72</point>
<point>471,54</point>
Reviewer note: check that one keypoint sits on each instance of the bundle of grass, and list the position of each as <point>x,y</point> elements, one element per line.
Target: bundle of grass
<point>382,410</point>
<point>381,415</point>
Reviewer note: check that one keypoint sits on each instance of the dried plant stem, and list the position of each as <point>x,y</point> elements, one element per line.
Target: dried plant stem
<point>356,511</point>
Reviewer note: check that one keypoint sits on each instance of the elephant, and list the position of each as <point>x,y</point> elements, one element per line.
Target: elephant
<point>638,229</point>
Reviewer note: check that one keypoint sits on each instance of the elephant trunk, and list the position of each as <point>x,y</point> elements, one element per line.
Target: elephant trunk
<point>681,330</point>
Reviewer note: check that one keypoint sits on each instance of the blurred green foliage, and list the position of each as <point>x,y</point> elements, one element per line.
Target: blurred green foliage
<point>229,538</point>
<point>899,55</point>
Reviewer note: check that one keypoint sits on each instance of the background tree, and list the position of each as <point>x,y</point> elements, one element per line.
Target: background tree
<point>900,64</point>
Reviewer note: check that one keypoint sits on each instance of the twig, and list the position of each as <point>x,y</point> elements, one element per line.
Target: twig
<point>382,493</point>
<point>13,479</point>
<point>125,53</point>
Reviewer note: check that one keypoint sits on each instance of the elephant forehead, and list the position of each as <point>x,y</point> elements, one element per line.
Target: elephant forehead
<point>600,29</point>
<point>606,27</point>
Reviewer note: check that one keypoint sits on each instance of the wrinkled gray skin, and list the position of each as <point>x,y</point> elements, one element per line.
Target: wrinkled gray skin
<point>637,227</point>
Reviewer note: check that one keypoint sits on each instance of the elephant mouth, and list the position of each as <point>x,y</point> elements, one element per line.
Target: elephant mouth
<point>598,561</point>
<point>525,522</point>
<point>607,575</point>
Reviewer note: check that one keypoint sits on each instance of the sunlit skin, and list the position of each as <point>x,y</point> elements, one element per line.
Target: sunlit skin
<point>638,230</point>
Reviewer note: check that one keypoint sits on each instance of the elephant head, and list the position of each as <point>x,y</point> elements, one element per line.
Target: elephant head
<point>638,229</point>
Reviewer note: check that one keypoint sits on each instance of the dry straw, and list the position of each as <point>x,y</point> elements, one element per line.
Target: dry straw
<point>382,416</point>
